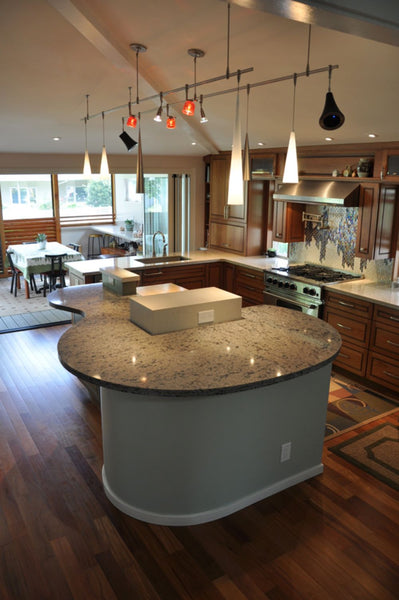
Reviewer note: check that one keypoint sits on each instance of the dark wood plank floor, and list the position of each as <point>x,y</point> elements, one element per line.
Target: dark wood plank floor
<point>333,537</point>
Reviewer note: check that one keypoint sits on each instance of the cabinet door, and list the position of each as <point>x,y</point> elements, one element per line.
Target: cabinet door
<point>218,186</point>
<point>227,237</point>
<point>287,222</point>
<point>366,229</point>
<point>383,247</point>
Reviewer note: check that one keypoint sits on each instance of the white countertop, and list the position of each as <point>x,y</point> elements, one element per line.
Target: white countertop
<point>372,291</point>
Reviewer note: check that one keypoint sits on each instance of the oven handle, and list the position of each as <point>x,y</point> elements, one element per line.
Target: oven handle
<point>302,304</point>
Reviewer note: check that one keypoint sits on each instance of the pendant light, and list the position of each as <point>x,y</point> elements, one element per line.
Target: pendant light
<point>126,139</point>
<point>139,169</point>
<point>86,163</point>
<point>331,117</point>
<point>189,105</point>
<point>236,183</point>
<point>104,170</point>
<point>170,121</point>
<point>132,119</point>
<point>203,118</point>
<point>158,116</point>
<point>247,169</point>
<point>291,162</point>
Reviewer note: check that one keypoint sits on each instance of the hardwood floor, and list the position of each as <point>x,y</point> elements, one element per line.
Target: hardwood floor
<point>335,536</point>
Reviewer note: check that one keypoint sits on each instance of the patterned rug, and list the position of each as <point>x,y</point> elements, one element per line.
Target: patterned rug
<point>376,451</point>
<point>350,404</point>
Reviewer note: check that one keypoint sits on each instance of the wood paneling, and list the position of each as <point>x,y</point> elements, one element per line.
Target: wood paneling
<point>334,536</point>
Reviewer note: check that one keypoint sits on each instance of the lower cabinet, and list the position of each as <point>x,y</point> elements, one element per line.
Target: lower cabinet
<point>370,338</point>
<point>352,319</point>
<point>188,276</point>
<point>249,284</point>
<point>383,360</point>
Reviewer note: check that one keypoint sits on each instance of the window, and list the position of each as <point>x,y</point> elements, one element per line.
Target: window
<point>149,212</point>
<point>281,249</point>
<point>84,200</point>
<point>26,196</point>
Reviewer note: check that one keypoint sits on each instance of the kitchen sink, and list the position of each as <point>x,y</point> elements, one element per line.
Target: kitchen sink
<point>150,260</point>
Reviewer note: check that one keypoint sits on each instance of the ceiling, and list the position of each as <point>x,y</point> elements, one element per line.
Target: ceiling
<point>54,52</point>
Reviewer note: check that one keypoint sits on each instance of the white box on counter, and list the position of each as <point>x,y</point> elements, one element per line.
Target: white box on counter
<point>163,313</point>
<point>120,281</point>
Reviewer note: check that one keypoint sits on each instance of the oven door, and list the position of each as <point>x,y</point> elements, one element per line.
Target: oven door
<point>308,308</point>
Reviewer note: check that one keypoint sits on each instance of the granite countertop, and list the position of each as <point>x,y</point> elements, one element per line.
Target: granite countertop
<point>268,344</point>
<point>372,291</point>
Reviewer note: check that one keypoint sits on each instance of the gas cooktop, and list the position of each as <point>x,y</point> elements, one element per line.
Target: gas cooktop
<point>316,273</point>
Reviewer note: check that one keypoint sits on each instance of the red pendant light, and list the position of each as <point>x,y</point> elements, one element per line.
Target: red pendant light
<point>131,121</point>
<point>189,108</point>
<point>171,123</point>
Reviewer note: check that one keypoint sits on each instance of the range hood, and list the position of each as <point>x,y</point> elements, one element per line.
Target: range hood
<point>334,193</point>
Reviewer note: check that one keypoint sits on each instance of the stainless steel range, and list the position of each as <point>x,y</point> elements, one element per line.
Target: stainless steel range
<point>299,287</point>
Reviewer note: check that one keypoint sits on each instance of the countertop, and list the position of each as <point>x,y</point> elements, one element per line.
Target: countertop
<point>380,293</point>
<point>268,344</point>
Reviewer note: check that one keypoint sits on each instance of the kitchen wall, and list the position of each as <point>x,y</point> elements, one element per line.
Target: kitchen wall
<point>332,244</point>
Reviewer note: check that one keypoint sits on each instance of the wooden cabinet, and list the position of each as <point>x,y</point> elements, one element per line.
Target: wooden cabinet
<point>383,360</point>
<point>288,225</point>
<point>242,228</point>
<point>188,276</point>
<point>249,284</point>
<point>352,319</point>
<point>375,231</point>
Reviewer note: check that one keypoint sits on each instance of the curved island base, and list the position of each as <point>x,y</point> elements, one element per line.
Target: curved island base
<point>189,460</point>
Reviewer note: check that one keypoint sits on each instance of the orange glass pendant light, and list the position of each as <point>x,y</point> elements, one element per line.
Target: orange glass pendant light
<point>131,121</point>
<point>189,105</point>
<point>170,121</point>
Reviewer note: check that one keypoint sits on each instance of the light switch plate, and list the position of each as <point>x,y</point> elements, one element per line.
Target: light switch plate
<point>206,316</point>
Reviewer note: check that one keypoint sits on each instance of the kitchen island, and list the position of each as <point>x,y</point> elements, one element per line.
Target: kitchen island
<point>200,423</point>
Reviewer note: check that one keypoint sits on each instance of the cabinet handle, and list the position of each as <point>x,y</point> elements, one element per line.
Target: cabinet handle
<point>249,275</point>
<point>390,374</point>
<point>393,343</point>
<point>363,249</point>
<point>394,318</point>
<point>226,211</point>
<point>344,326</point>
<point>154,274</point>
<point>225,245</point>
<point>251,289</point>
<point>344,355</point>
<point>346,304</point>
<point>279,235</point>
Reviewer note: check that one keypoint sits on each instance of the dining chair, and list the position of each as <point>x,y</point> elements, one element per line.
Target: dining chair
<point>56,272</point>
<point>76,247</point>
<point>15,273</point>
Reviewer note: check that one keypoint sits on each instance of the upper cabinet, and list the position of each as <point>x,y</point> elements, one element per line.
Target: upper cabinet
<point>288,225</point>
<point>236,228</point>
<point>376,225</point>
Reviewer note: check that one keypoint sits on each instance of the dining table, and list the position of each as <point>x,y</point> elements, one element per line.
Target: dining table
<point>32,259</point>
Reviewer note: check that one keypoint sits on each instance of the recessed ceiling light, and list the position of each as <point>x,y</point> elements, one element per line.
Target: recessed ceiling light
<point>56,138</point>
<point>329,139</point>
<point>372,135</point>
<point>193,143</point>
<point>261,143</point>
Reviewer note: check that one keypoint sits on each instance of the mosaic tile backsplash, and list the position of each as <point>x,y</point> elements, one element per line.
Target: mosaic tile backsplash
<point>333,244</point>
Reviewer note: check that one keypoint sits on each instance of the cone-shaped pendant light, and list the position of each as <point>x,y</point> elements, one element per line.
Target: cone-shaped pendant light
<point>104,169</point>
<point>86,163</point>
<point>247,166</point>
<point>236,182</point>
<point>290,174</point>
<point>139,169</point>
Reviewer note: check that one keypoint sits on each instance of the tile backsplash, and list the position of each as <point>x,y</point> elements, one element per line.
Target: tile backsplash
<point>333,244</point>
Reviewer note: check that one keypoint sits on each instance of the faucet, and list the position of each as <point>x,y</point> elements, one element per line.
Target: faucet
<point>163,240</point>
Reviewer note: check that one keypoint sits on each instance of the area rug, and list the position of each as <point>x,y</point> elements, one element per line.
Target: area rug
<point>350,404</point>
<point>375,451</point>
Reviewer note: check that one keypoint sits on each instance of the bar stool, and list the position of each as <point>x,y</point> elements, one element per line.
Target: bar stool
<point>94,238</point>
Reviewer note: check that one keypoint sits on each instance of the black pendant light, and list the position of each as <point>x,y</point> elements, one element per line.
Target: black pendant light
<point>331,117</point>
<point>129,142</point>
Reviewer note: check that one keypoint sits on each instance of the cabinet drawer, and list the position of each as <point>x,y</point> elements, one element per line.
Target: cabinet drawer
<point>384,371</point>
<point>350,329</point>
<point>249,292</point>
<point>387,316</point>
<point>349,304</point>
<point>352,358</point>
<point>227,237</point>
<point>385,339</point>
<point>250,277</point>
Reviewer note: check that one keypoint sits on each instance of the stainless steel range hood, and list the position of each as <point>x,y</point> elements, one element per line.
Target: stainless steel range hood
<point>338,193</point>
